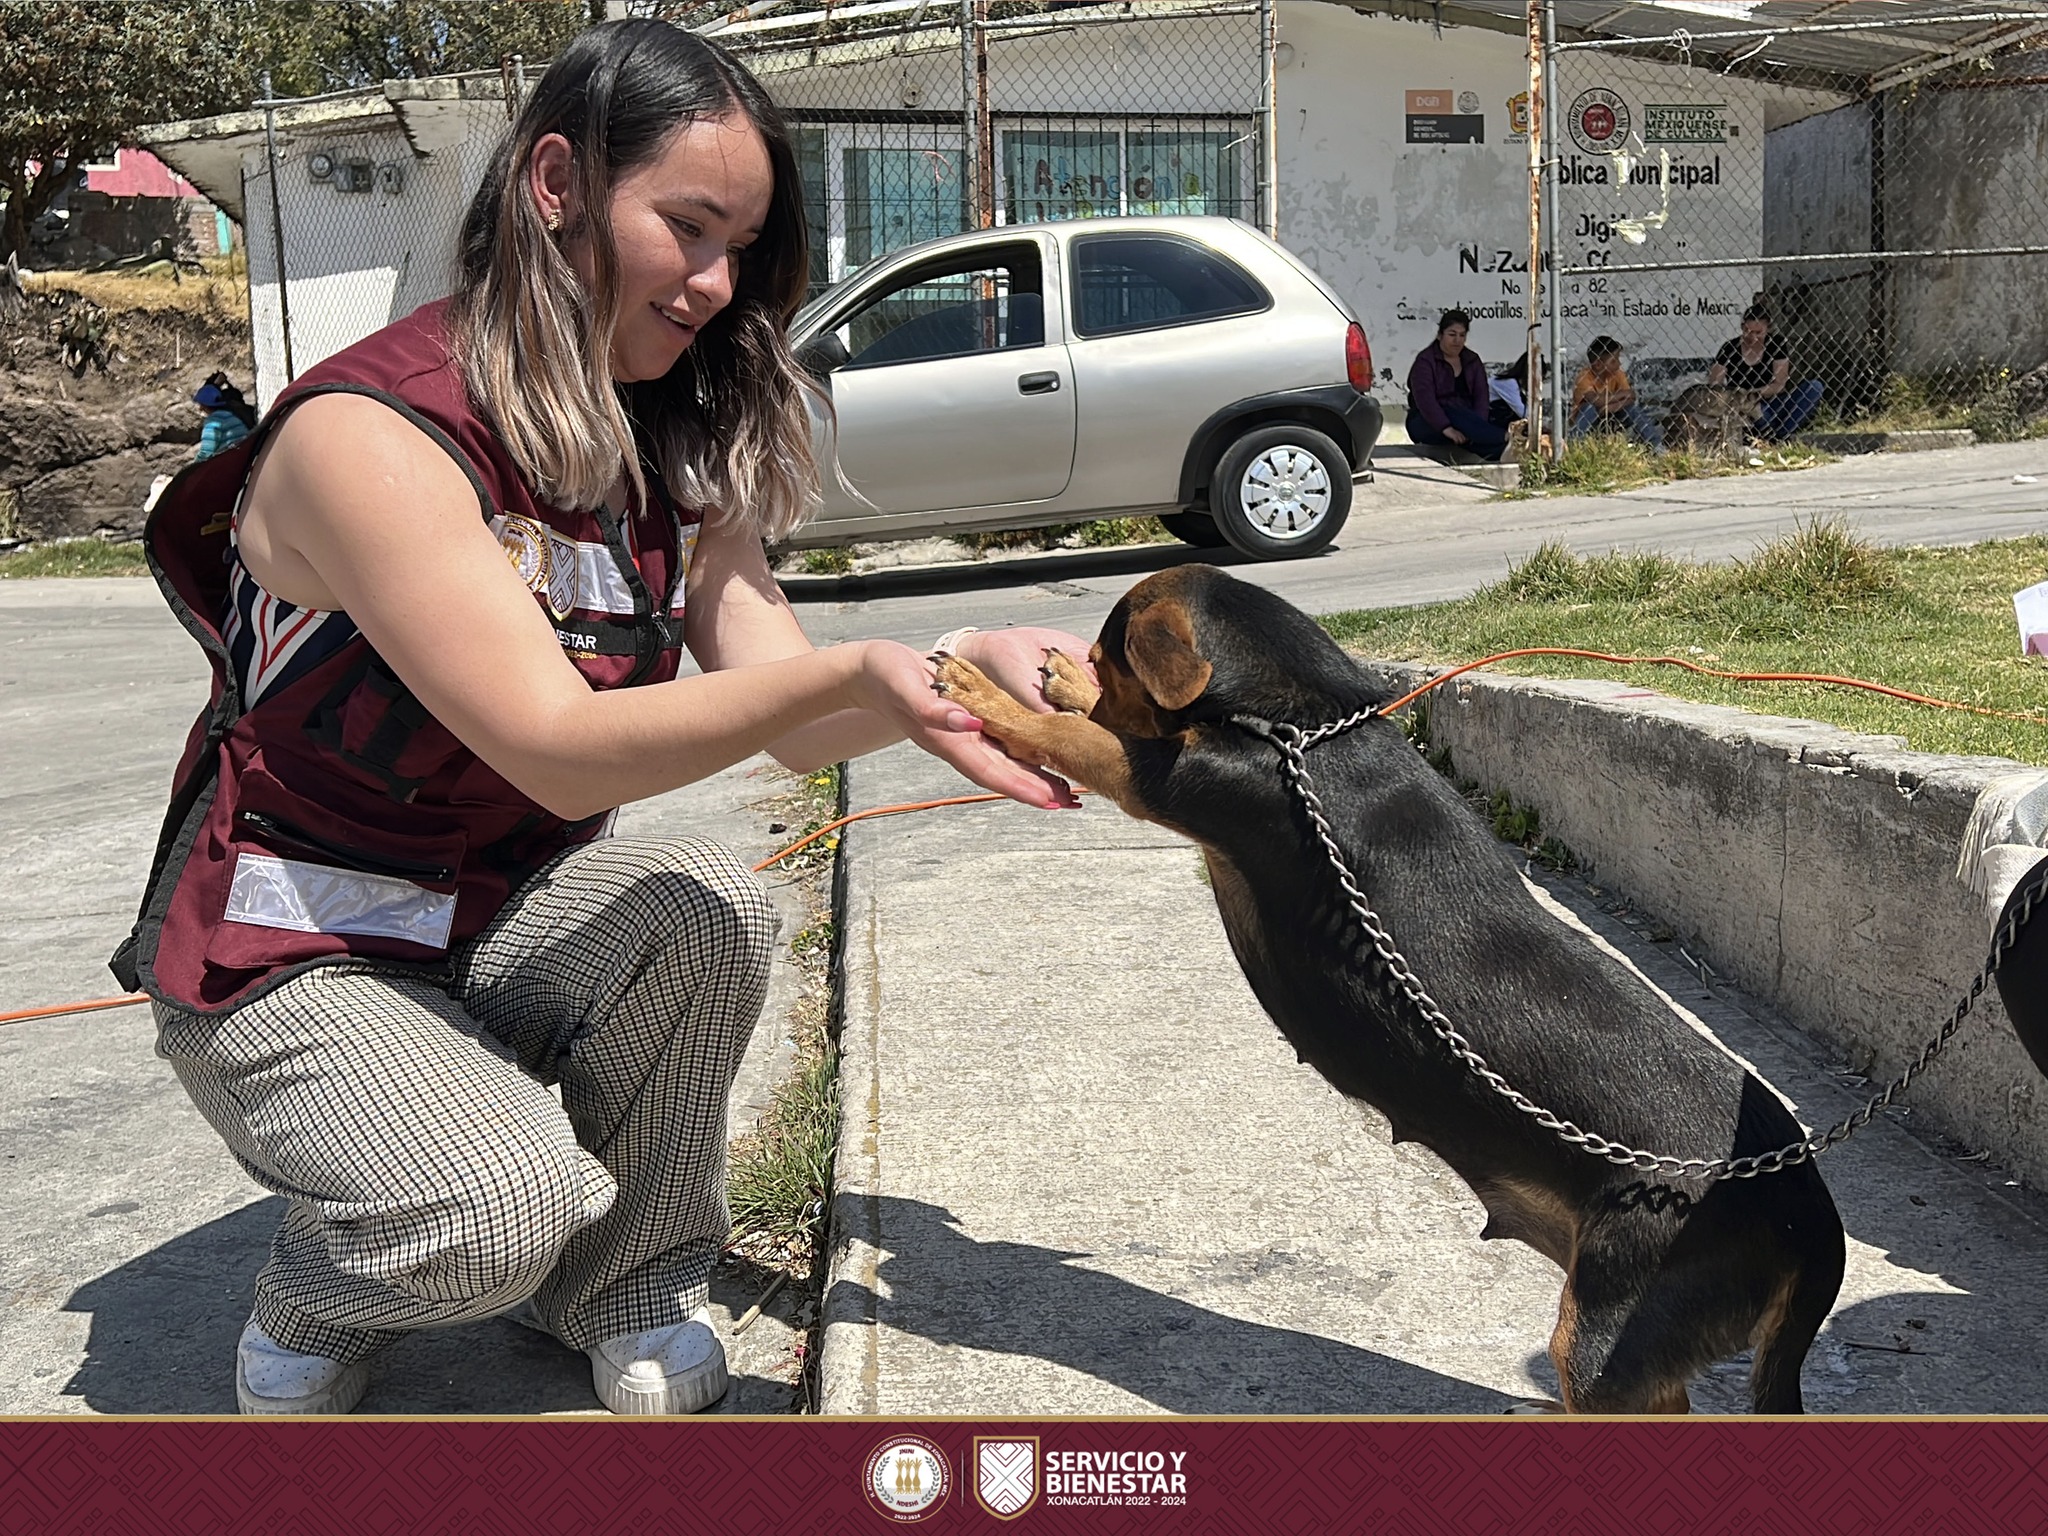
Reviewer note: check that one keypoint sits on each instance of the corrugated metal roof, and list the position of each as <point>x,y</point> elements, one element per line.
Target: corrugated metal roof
<point>1869,44</point>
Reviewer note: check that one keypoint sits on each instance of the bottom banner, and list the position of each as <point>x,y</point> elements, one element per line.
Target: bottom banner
<point>1049,1475</point>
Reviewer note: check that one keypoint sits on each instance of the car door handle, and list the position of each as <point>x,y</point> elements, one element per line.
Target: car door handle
<point>1038,383</point>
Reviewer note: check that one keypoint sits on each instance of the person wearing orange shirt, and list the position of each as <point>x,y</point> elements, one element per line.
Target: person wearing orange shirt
<point>1603,397</point>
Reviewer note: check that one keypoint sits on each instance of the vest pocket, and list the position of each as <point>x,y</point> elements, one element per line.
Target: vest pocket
<point>298,869</point>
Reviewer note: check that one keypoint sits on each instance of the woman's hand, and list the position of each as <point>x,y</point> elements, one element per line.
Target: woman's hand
<point>1455,435</point>
<point>1014,660</point>
<point>896,683</point>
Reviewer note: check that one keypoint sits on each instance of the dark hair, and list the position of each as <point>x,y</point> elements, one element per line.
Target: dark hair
<point>1755,312</point>
<point>727,426</point>
<point>1451,317</point>
<point>1518,370</point>
<point>1602,346</point>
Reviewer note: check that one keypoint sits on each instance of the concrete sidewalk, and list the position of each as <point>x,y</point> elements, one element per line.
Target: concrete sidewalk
<point>1081,1172</point>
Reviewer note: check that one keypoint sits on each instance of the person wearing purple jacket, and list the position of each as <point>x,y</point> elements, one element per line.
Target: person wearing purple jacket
<point>1447,393</point>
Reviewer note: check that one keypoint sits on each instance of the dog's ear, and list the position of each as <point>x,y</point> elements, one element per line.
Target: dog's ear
<point>1159,643</point>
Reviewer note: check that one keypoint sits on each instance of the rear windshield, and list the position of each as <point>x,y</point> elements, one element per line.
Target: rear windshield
<point>1142,282</point>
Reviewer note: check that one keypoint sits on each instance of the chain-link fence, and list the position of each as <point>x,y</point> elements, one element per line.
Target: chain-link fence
<point>1826,217</point>
<point>347,227</point>
<point>949,117</point>
<point>919,123</point>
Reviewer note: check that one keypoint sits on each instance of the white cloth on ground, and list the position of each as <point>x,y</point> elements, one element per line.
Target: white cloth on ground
<point>2004,838</point>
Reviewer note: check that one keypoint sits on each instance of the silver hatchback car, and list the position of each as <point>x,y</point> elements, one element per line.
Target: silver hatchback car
<point>1055,373</point>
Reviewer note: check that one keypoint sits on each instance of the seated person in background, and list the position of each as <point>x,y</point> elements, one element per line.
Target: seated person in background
<point>1756,360</point>
<point>1603,397</point>
<point>1448,393</point>
<point>1509,390</point>
<point>229,417</point>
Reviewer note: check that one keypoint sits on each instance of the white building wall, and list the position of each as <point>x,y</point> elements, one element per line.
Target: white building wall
<point>355,261</point>
<point>1405,230</point>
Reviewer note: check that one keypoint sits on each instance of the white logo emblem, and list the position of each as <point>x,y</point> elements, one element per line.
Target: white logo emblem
<point>1006,1476</point>
<point>907,1478</point>
<point>525,544</point>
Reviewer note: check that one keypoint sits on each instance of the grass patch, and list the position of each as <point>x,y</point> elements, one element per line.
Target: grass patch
<point>76,557</point>
<point>832,560</point>
<point>1103,533</point>
<point>779,1174</point>
<point>1931,621</point>
<point>1984,399</point>
<point>219,289</point>
<point>1601,462</point>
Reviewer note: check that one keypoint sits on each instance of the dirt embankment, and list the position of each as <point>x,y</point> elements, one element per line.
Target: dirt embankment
<point>80,443</point>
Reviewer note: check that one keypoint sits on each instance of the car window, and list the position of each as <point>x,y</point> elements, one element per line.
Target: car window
<point>1137,282</point>
<point>979,301</point>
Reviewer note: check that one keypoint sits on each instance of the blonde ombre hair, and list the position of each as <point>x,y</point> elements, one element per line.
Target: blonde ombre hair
<point>727,427</point>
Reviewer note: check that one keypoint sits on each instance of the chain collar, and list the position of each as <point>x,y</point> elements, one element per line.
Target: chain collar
<point>1293,744</point>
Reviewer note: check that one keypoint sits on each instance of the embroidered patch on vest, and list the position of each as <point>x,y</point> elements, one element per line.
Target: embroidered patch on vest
<point>525,544</point>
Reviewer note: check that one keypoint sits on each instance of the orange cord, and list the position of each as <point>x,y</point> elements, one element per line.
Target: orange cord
<point>53,1010</point>
<point>1406,699</point>
<point>1693,666</point>
<point>834,826</point>
<point>56,1008</point>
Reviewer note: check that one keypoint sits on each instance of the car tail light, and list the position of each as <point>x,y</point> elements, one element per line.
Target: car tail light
<point>1358,358</point>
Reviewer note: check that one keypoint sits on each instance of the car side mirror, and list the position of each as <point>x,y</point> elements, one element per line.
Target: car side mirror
<point>821,354</point>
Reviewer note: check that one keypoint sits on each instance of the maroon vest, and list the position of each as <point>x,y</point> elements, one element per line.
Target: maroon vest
<point>336,820</point>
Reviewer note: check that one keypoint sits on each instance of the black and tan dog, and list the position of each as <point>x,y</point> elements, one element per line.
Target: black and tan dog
<point>1662,1276</point>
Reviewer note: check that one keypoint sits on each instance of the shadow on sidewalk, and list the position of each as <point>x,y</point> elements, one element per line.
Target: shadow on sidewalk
<point>1017,1299</point>
<point>165,1324</point>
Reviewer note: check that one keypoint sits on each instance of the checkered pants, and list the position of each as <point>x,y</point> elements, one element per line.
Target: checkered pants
<point>432,1177</point>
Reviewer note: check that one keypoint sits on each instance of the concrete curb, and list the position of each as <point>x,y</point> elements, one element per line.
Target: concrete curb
<point>848,1367</point>
<point>1923,441</point>
<point>1813,867</point>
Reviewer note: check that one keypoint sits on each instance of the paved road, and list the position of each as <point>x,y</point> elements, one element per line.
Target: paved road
<point>1421,534</point>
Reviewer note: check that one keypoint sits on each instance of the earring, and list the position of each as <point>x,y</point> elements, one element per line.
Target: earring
<point>554,219</point>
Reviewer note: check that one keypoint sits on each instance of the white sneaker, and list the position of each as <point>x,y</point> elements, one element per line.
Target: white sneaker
<point>272,1379</point>
<point>680,1369</point>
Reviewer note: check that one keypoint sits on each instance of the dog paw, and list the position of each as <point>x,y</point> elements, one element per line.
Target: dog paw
<point>1067,684</point>
<point>968,686</point>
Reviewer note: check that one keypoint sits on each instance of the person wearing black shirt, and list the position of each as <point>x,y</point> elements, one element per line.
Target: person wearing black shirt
<point>1758,361</point>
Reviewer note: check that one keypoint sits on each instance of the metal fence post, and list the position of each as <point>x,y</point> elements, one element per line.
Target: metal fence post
<point>970,130</point>
<point>1877,311</point>
<point>1553,292</point>
<point>1269,122</point>
<point>284,307</point>
<point>1539,123</point>
<point>984,128</point>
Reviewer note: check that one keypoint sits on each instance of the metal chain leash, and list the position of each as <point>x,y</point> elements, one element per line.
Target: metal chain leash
<point>1293,744</point>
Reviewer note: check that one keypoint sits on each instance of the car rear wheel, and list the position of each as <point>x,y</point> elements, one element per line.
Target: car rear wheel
<point>1196,528</point>
<point>1281,492</point>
